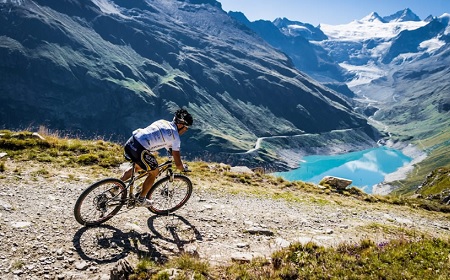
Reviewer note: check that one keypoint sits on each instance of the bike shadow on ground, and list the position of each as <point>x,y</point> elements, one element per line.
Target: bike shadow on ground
<point>174,229</point>
<point>107,244</point>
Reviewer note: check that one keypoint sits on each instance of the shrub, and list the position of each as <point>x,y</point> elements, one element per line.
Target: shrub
<point>88,159</point>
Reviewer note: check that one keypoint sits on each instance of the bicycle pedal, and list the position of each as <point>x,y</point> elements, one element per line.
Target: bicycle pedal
<point>131,203</point>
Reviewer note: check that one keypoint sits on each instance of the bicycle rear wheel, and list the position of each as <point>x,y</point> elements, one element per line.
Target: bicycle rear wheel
<point>169,196</point>
<point>100,202</point>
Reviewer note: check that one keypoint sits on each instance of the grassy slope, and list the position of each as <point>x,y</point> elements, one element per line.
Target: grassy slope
<point>437,148</point>
<point>418,257</point>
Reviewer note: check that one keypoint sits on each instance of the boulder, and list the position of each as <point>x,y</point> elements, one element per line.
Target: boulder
<point>122,270</point>
<point>335,182</point>
<point>241,169</point>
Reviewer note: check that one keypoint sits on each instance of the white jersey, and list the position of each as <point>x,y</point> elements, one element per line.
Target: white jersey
<point>158,135</point>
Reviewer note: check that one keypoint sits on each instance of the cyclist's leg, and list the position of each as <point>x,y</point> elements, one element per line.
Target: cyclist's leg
<point>127,174</point>
<point>132,152</point>
<point>152,167</point>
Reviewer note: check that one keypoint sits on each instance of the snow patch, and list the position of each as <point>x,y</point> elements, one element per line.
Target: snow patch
<point>298,27</point>
<point>364,74</point>
<point>108,8</point>
<point>358,30</point>
<point>431,45</point>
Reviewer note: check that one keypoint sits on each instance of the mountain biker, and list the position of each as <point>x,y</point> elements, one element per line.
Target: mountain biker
<point>160,134</point>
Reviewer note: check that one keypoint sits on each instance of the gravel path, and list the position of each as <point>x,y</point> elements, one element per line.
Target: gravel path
<point>40,239</point>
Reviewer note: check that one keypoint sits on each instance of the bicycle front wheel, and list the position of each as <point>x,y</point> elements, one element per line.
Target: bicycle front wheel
<point>169,196</point>
<point>100,202</point>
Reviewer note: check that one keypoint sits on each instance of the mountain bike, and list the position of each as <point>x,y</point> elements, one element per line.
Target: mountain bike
<point>104,199</point>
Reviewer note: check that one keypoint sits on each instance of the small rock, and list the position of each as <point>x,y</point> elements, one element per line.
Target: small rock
<point>259,230</point>
<point>242,245</point>
<point>242,257</point>
<point>282,242</point>
<point>122,270</point>
<point>81,265</point>
<point>207,207</point>
<point>20,224</point>
<point>17,272</point>
<point>134,227</point>
<point>5,206</point>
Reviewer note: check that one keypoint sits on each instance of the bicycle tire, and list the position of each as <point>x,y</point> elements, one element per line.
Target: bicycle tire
<point>96,204</point>
<point>169,196</point>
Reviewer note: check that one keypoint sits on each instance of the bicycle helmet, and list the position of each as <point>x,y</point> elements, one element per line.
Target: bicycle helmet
<point>183,117</point>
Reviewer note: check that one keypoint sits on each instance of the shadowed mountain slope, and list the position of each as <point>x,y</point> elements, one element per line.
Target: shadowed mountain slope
<point>107,67</point>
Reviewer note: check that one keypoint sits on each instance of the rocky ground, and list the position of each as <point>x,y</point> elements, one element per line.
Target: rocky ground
<point>40,239</point>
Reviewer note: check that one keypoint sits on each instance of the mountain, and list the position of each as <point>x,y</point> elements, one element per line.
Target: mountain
<point>401,81</point>
<point>372,17</point>
<point>394,69</point>
<point>104,68</point>
<point>293,38</point>
<point>405,15</point>
<point>296,28</point>
<point>416,41</point>
<point>400,16</point>
<point>418,100</point>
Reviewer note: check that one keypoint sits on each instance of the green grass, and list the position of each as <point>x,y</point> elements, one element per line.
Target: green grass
<point>437,148</point>
<point>183,266</point>
<point>24,146</point>
<point>436,183</point>
<point>397,259</point>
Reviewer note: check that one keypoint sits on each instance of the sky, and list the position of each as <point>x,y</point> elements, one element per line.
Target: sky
<point>331,11</point>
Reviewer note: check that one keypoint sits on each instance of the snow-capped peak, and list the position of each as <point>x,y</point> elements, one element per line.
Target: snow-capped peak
<point>402,16</point>
<point>373,26</point>
<point>372,17</point>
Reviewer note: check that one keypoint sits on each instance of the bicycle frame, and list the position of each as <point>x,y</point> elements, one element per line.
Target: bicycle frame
<point>165,167</point>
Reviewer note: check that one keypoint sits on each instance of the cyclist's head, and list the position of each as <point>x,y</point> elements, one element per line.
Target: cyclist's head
<point>183,117</point>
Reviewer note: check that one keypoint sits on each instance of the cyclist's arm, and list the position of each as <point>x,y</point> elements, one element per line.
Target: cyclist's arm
<point>177,160</point>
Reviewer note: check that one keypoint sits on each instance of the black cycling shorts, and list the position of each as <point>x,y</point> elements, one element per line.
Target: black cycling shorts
<point>135,152</point>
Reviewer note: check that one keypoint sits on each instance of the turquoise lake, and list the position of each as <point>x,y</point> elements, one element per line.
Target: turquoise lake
<point>365,168</point>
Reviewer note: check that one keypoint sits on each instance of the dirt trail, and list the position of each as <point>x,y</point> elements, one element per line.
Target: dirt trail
<point>40,239</point>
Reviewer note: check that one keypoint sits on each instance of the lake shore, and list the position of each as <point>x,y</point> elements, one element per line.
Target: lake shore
<point>411,151</point>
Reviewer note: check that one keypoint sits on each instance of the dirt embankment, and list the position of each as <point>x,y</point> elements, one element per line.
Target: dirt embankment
<point>40,239</point>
